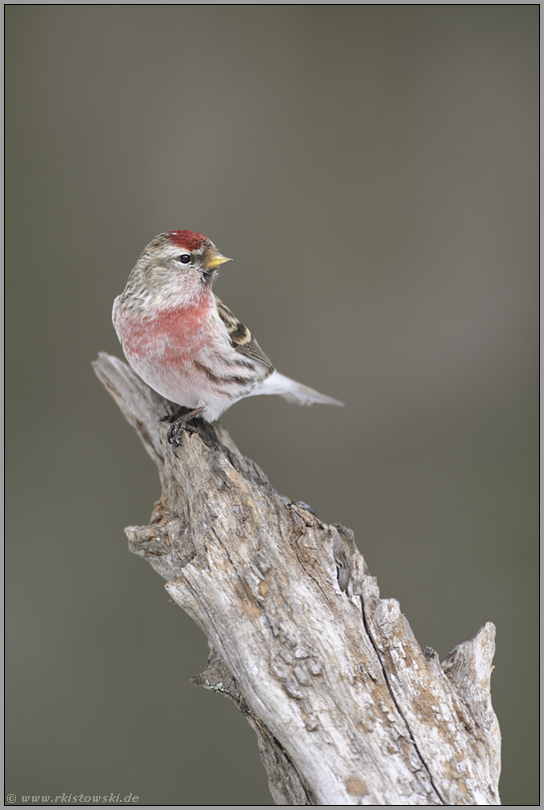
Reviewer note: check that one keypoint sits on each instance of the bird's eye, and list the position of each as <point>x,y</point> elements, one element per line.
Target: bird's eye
<point>185,258</point>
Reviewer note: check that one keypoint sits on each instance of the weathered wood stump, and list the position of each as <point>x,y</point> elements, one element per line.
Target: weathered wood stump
<point>347,708</point>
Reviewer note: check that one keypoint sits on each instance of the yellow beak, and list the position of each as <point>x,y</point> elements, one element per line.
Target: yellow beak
<point>215,259</point>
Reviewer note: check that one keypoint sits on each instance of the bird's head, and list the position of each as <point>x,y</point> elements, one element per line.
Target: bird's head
<point>176,269</point>
<point>195,252</point>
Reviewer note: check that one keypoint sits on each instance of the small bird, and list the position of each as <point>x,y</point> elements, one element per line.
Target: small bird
<point>185,343</point>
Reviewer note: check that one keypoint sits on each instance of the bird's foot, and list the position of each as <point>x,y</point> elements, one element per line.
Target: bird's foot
<point>176,429</point>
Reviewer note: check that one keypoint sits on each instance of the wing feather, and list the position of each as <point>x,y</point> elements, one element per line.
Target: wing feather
<point>241,338</point>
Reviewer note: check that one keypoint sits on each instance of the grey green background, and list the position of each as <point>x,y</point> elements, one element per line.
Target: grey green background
<point>373,172</point>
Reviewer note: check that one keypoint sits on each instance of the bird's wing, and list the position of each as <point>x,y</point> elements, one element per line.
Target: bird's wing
<point>241,338</point>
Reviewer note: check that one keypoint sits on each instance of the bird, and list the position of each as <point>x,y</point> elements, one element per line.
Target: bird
<point>182,340</point>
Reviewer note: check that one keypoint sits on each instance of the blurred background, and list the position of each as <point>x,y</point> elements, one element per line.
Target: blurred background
<point>372,170</point>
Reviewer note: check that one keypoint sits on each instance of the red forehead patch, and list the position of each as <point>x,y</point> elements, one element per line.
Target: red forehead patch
<point>186,239</point>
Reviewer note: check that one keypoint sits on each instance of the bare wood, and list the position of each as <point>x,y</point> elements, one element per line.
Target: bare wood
<point>347,708</point>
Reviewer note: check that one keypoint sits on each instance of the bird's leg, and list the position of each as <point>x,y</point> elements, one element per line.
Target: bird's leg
<point>176,428</point>
<point>171,417</point>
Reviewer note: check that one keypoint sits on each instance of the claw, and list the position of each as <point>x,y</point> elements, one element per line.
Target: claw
<point>176,429</point>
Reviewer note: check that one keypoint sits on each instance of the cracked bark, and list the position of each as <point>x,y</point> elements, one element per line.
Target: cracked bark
<point>347,708</point>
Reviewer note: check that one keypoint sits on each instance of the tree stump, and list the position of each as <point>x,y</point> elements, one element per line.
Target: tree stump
<point>347,708</point>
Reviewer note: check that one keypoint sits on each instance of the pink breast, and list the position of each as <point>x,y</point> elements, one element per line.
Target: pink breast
<point>174,336</point>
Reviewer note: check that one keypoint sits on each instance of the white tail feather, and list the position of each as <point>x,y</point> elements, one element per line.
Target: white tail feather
<point>293,391</point>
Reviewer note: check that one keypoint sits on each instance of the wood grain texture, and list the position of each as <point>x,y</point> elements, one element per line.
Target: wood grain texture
<point>347,708</point>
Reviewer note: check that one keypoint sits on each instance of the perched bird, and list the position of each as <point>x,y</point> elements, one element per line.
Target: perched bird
<point>184,342</point>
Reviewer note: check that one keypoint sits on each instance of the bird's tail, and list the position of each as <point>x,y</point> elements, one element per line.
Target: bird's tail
<point>294,392</point>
